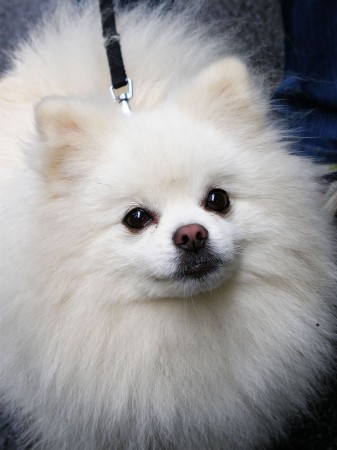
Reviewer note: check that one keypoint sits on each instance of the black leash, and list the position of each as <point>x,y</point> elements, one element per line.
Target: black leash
<point>120,82</point>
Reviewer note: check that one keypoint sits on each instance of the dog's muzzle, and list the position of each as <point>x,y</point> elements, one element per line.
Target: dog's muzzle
<point>195,260</point>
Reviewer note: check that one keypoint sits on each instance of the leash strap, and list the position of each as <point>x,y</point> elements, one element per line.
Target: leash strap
<point>118,76</point>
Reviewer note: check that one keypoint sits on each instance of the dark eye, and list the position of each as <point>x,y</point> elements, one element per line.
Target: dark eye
<point>137,218</point>
<point>217,200</point>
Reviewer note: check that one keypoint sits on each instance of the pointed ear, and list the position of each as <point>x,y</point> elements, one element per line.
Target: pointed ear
<point>65,130</point>
<point>222,91</point>
<point>58,120</point>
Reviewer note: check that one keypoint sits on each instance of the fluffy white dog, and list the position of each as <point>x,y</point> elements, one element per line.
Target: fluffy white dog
<point>167,277</point>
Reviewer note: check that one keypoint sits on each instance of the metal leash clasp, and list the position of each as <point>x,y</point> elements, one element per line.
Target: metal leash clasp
<point>122,95</point>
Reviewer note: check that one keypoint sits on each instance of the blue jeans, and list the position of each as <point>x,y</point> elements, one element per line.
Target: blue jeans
<point>307,95</point>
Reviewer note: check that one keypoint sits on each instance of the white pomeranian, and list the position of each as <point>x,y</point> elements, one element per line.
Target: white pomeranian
<point>167,276</point>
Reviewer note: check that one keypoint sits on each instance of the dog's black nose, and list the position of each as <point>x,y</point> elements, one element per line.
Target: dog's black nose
<point>190,237</point>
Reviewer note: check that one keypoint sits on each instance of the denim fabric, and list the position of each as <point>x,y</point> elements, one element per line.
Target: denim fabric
<point>307,94</point>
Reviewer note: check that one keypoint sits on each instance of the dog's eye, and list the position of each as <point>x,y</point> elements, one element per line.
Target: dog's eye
<point>217,200</point>
<point>137,218</point>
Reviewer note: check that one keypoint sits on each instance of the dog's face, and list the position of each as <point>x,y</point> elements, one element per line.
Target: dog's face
<point>172,219</point>
<point>153,197</point>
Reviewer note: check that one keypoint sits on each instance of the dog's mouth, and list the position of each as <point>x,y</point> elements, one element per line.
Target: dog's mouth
<point>198,269</point>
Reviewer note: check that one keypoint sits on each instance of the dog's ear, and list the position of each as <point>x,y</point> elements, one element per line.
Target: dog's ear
<point>66,128</point>
<point>223,90</point>
<point>59,120</point>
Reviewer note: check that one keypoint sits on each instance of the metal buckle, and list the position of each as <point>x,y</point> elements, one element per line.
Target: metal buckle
<point>123,95</point>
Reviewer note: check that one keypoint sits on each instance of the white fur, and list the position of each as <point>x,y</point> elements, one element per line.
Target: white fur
<point>99,346</point>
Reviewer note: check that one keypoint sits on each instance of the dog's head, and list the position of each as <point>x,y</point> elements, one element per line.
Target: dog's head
<point>161,202</point>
